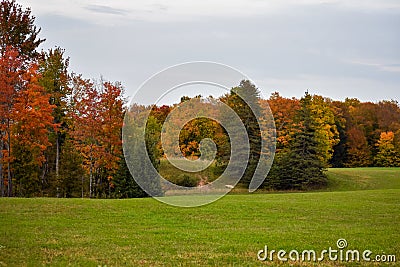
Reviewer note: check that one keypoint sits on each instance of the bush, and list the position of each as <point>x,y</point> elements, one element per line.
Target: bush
<point>187,181</point>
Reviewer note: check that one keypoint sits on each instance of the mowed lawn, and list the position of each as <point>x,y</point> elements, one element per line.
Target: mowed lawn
<point>348,179</point>
<point>229,232</point>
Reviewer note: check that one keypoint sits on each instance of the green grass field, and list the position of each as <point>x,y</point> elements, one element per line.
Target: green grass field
<point>363,178</point>
<point>229,232</point>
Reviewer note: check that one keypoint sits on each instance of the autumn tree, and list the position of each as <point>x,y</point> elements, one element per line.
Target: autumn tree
<point>10,80</point>
<point>111,116</point>
<point>396,142</point>
<point>194,132</point>
<point>387,155</point>
<point>86,125</point>
<point>365,117</point>
<point>358,150</point>
<point>191,133</point>
<point>160,113</point>
<point>284,111</point>
<point>323,120</point>
<point>97,115</point>
<point>388,115</point>
<point>18,30</point>
<point>18,43</point>
<point>361,126</point>
<point>32,119</point>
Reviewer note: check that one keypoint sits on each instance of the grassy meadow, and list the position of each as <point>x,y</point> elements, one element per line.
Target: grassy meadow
<point>360,205</point>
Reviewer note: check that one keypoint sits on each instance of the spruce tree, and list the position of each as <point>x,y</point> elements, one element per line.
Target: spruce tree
<point>141,152</point>
<point>244,100</point>
<point>299,167</point>
<point>124,184</point>
<point>53,68</point>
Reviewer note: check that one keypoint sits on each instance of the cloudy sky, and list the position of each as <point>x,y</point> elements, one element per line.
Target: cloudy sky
<point>336,48</point>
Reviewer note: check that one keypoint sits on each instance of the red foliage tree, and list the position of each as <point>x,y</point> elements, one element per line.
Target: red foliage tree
<point>10,72</point>
<point>32,119</point>
<point>97,117</point>
<point>284,111</point>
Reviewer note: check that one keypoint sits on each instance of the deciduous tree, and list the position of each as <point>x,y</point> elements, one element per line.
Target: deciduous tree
<point>18,30</point>
<point>358,152</point>
<point>86,125</point>
<point>32,118</point>
<point>111,116</point>
<point>323,120</point>
<point>10,81</point>
<point>387,155</point>
<point>284,111</point>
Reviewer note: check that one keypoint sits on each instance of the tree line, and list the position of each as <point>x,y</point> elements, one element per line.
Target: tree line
<point>312,134</point>
<point>60,133</point>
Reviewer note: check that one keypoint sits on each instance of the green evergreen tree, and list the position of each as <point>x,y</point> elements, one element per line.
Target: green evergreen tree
<point>244,100</point>
<point>300,167</point>
<point>124,184</point>
<point>141,150</point>
<point>340,149</point>
<point>26,172</point>
<point>53,68</point>
<point>71,182</point>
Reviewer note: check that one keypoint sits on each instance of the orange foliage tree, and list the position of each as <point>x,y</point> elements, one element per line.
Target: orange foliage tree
<point>86,124</point>
<point>97,117</point>
<point>111,113</point>
<point>284,111</point>
<point>10,71</point>
<point>32,119</point>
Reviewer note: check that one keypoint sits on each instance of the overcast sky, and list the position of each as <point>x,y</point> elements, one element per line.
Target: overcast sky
<point>342,48</point>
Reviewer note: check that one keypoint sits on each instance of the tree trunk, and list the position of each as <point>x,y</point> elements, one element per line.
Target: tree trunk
<point>82,185</point>
<point>57,154</point>
<point>43,176</point>
<point>1,167</point>
<point>90,174</point>
<point>90,181</point>
<point>9,178</point>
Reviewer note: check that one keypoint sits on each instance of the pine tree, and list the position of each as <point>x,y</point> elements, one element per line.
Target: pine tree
<point>300,167</point>
<point>140,141</point>
<point>54,78</point>
<point>124,184</point>
<point>71,181</point>
<point>244,100</point>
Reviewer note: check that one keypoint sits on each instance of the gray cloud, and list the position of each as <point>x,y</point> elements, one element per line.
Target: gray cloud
<point>106,10</point>
<point>328,49</point>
